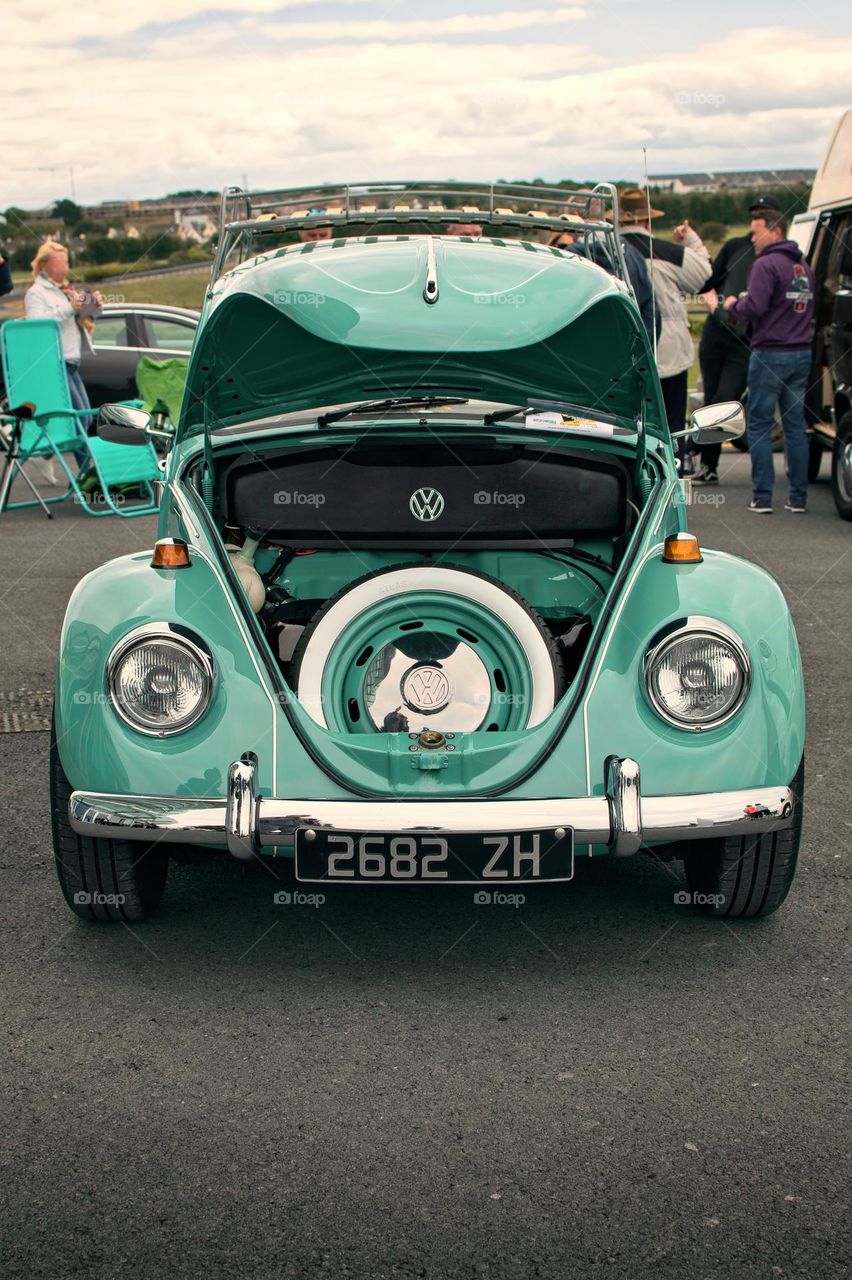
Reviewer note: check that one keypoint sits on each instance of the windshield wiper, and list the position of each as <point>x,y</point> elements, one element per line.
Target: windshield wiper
<point>549,406</point>
<point>378,406</point>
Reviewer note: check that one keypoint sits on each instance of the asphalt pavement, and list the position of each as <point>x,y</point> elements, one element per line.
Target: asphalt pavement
<point>402,1083</point>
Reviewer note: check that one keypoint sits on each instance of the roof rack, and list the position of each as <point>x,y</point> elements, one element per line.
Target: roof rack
<point>248,218</point>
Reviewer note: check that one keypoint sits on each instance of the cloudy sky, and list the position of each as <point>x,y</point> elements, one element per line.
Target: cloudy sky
<point>145,99</point>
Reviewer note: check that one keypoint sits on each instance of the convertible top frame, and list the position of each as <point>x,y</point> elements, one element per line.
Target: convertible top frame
<point>247,218</point>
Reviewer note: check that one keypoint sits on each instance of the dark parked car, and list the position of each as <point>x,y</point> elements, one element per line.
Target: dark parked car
<point>123,335</point>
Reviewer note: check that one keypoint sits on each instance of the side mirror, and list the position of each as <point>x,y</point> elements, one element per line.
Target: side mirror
<point>124,424</point>
<point>715,423</point>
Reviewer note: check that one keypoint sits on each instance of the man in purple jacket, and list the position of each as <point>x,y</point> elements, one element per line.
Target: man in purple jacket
<point>779,310</point>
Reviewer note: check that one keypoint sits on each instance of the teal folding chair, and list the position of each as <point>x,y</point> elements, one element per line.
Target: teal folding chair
<point>34,369</point>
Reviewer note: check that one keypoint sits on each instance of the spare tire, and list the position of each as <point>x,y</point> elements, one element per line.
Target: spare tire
<point>422,646</point>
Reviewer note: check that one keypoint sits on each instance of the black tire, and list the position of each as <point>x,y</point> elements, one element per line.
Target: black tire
<point>746,876</point>
<point>841,468</point>
<point>119,880</point>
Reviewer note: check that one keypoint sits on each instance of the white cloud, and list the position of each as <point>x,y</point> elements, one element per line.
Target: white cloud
<point>202,107</point>
<point>428,29</point>
<point>49,22</point>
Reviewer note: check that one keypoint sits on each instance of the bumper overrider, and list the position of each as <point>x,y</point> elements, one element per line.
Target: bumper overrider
<point>246,824</point>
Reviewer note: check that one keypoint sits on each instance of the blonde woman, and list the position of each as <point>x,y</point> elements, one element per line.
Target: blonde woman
<point>51,296</point>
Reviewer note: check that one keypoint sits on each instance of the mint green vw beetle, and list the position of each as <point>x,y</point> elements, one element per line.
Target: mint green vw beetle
<point>423,607</point>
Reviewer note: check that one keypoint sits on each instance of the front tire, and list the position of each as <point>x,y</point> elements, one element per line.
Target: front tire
<point>841,468</point>
<point>121,880</point>
<point>746,876</point>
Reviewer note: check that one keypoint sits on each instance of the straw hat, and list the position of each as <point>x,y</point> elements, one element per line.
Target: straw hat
<point>633,206</point>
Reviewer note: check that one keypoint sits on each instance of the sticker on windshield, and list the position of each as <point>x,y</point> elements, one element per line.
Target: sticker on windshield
<point>549,419</point>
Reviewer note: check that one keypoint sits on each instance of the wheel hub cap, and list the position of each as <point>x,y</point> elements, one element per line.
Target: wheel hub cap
<point>425,688</point>
<point>450,685</point>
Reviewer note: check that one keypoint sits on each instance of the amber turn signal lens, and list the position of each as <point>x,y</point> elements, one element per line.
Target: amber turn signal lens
<point>170,553</point>
<point>681,548</point>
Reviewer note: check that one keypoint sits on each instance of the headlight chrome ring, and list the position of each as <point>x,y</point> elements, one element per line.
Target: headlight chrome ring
<point>707,663</point>
<point>171,691</point>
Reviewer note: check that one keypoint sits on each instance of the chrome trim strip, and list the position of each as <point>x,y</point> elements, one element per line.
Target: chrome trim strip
<point>158,818</point>
<point>622,789</point>
<point>430,288</point>
<point>718,814</point>
<point>246,825</point>
<point>241,808</point>
<point>588,816</point>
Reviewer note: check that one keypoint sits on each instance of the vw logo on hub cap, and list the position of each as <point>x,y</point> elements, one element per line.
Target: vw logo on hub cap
<point>426,504</point>
<point>426,689</point>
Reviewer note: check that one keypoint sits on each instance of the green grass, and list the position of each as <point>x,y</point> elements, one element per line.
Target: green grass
<point>184,290</point>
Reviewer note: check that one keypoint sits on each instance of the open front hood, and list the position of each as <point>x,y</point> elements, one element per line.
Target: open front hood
<point>340,321</point>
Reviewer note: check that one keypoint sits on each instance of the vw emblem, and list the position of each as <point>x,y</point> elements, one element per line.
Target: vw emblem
<point>426,689</point>
<point>426,504</point>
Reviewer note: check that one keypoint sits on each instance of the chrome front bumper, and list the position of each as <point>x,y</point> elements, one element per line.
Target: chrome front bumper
<point>246,824</point>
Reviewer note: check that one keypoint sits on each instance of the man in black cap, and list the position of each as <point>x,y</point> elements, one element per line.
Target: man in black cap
<point>723,352</point>
<point>763,204</point>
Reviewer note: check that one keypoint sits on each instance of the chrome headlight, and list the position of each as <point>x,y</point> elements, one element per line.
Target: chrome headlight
<point>159,680</point>
<point>698,675</point>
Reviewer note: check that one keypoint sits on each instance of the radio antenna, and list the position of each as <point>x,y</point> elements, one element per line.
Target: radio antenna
<point>651,253</point>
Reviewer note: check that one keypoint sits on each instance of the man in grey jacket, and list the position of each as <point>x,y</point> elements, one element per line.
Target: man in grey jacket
<point>678,268</point>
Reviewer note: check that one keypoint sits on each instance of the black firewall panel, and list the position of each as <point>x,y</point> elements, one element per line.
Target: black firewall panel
<point>424,495</point>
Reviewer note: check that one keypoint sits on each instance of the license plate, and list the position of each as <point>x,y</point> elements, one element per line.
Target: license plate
<point>348,857</point>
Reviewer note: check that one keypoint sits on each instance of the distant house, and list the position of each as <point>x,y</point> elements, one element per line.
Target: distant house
<point>194,227</point>
<point>732,180</point>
